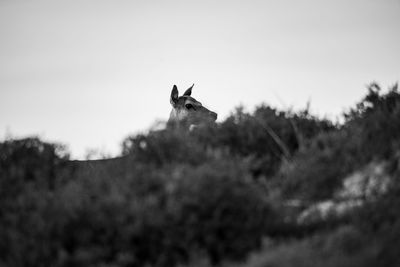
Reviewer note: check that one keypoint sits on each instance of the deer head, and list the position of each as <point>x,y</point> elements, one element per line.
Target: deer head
<point>186,108</point>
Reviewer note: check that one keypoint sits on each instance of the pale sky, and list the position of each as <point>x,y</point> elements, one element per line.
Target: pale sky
<point>88,73</point>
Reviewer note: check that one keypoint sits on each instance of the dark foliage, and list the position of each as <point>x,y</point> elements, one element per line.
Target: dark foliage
<point>266,137</point>
<point>380,219</point>
<point>159,210</point>
<point>371,132</point>
<point>28,169</point>
<point>214,193</point>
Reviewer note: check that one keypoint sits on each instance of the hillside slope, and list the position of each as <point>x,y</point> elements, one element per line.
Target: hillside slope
<point>268,184</point>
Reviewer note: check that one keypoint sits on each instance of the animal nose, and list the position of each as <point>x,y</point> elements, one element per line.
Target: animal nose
<point>213,115</point>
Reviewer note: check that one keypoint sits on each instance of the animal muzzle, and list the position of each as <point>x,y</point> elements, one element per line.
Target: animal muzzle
<point>205,115</point>
<point>213,115</point>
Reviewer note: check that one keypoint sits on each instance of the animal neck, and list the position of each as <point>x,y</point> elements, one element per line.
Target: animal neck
<point>173,116</point>
<point>177,118</point>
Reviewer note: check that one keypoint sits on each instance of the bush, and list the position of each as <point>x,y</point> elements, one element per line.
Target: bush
<point>28,170</point>
<point>224,212</point>
<point>177,195</point>
<point>266,136</point>
<point>371,132</point>
<point>159,213</point>
<point>170,146</point>
<point>380,219</point>
<point>316,172</point>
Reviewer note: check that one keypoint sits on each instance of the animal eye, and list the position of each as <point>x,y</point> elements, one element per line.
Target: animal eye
<point>189,106</point>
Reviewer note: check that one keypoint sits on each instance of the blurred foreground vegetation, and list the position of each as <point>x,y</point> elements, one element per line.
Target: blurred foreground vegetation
<point>247,192</point>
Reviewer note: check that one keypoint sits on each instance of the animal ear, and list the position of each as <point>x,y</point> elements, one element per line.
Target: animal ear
<point>188,92</point>
<point>174,95</point>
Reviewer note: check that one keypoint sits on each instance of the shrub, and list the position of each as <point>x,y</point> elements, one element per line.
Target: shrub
<point>158,213</point>
<point>28,170</point>
<point>371,132</point>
